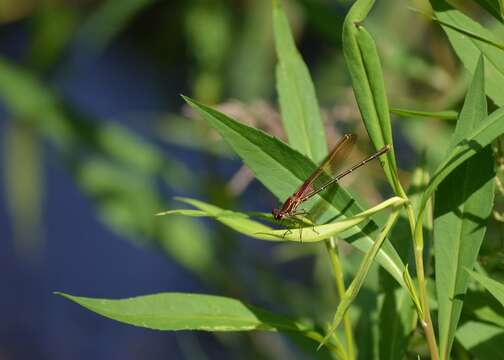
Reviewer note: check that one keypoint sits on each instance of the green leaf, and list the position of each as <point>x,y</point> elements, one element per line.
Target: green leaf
<point>442,115</point>
<point>482,306</point>
<point>282,170</point>
<point>464,201</point>
<point>298,102</point>
<point>483,135</point>
<point>186,311</point>
<point>494,287</point>
<point>364,66</point>
<point>182,311</point>
<point>360,276</point>
<point>242,223</point>
<point>483,340</point>
<point>470,40</point>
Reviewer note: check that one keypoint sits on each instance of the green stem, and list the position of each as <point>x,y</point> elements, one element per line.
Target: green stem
<point>340,287</point>
<point>418,245</point>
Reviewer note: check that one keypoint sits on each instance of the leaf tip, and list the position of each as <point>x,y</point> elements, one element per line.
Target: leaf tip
<point>59,293</point>
<point>187,99</point>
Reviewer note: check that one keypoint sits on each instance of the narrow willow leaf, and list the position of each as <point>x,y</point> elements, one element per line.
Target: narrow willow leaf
<point>183,311</point>
<point>364,66</point>
<point>484,341</point>
<point>282,170</point>
<point>442,115</point>
<point>464,201</point>
<point>360,276</point>
<point>298,102</point>
<point>470,40</point>
<point>242,223</point>
<point>494,287</point>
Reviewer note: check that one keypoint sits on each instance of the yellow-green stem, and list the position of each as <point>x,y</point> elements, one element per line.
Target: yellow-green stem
<point>418,245</point>
<point>340,287</point>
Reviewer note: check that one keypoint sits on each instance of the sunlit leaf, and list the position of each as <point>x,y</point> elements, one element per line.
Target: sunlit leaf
<point>242,223</point>
<point>182,311</point>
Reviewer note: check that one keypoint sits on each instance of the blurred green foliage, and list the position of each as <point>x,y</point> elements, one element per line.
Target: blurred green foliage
<point>227,52</point>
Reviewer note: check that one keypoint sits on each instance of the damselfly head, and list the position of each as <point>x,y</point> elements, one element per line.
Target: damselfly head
<point>278,214</point>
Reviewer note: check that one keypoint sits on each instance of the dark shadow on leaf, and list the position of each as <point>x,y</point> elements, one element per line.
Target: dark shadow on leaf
<point>478,220</point>
<point>489,349</point>
<point>481,306</point>
<point>321,206</point>
<point>369,229</point>
<point>464,181</point>
<point>291,329</point>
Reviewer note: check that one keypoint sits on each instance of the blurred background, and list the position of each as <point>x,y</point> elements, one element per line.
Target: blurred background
<point>96,139</point>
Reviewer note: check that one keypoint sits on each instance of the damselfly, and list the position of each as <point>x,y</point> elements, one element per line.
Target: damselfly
<point>323,177</point>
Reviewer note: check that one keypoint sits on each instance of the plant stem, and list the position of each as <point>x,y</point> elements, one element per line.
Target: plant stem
<point>337,349</point>
<point>418,245</point>
<point>340,287</point>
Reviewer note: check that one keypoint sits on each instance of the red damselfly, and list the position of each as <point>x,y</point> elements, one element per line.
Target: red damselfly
<point>323,177</point>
